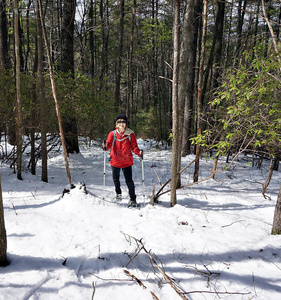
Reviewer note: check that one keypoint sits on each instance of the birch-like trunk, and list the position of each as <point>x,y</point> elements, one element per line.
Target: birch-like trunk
<point>176,134</point>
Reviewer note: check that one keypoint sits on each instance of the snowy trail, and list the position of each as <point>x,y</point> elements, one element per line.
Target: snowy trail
<point>217,238</point>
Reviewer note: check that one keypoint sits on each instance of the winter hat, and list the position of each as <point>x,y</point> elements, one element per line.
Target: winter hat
<point>121,116</point>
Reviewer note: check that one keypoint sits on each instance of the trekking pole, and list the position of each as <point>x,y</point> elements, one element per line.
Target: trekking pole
<point>104,159</point>
<point>142,170</point>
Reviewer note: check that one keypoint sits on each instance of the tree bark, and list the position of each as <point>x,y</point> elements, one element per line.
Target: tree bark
<point>18,92</point>
<point>52,78</point>
<point>215,52</point>
<point>268,178</point>
<point>41,89</point>
<point>176,135</point>
<point>67,66</point>
<point>276,228</point>
<point>241,15</point>
<point>119,58</point>
<point>4,59</point>
<point>91,39</point>
<point>105,35</point>
<point>200,94</point>
<point>3,236</point>
<point>130,63</point>
<point>188,109</point>
<point>183,66</point>
<point>219,28</point>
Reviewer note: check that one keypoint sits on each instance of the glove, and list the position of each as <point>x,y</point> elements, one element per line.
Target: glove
<point>141,154</point>
<point>104,145</point>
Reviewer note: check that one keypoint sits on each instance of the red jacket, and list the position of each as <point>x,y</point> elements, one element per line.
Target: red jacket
<point>121,153</point>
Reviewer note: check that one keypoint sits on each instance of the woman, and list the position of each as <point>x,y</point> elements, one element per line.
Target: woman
<point>122,142</point>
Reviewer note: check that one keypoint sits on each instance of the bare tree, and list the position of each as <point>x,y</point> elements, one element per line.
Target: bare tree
<point>176,134</point>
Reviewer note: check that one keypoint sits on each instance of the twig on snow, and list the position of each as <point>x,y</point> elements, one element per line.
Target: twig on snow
<point>170,280</point>
<point>139,282</point>
<point>14,209</point>
<point>218,293</point>
<point>134,278</point>
<point>208,274</point>
<point>94,289</point>
<point>233,223</point>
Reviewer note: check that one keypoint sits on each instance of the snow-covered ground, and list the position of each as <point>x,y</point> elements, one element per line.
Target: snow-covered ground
<point>214,244</point>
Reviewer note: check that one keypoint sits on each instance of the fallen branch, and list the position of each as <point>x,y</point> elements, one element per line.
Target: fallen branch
<point>177,289</point>
<point>140,283</point>
<point>134,278</point>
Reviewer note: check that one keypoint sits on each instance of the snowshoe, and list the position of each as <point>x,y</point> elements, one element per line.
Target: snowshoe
<point>133,204</point>
<point>118,198</point>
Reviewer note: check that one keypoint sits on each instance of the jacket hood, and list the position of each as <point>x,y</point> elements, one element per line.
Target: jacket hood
<point>128,131</point>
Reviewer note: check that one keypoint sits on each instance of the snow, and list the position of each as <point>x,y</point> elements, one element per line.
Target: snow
<point>216,243</point>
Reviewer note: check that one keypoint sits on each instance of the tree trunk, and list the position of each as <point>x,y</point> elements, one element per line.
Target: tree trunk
<point>3,236</point>
<point>67,66</point>
<point>276,163</point>
<point>27,46</point>
<point>32,135</point>
<point>18,92</point>
<point>215,166</point>
<point>200,94</point>
<point>268,179</point>
<point>33,110</point>
<point>91,39</point>
<point>276,228</point>
<point>219,28</point>
<point>105,36</point>
<point>6,64</point>
<point>130,63</point>
<point>41,89</point>
<point>119,58</point>
<point>176,135</point>
<point>188,109</point>
<point>4,59</point>
<point>52,78</point>
<point>241,15</point>
<point>183,65</point>
<point>215,52</point>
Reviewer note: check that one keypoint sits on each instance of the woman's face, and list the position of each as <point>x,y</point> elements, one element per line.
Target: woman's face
<point>121,125</point>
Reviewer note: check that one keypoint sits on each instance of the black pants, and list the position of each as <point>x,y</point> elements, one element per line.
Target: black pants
<point>128,178</point>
